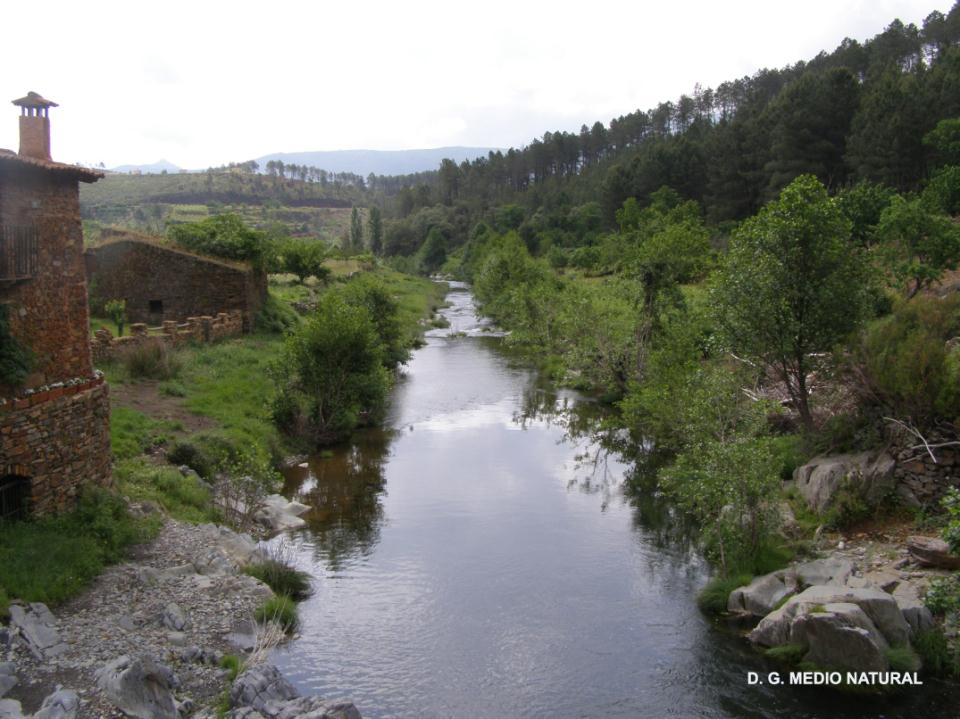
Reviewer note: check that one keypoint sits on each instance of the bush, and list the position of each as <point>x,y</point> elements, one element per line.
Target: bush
<point>282,578</point>
<point>903,366</point>
<point>939,657</point>
<point>224,236</point>
<point>903,659</point>
<point>943,595</point>
<point>153,359</point>
<point>186,453</point>
<point>276,317</point>
<point>713,598</point>
<point>279,609</point>
<point>183,498</point>
<point>791,654</point>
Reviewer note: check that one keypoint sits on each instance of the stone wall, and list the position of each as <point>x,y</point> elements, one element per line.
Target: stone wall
<point>106,347</point>
<point>161,283</point>
<point>920,480</point>
<point>58,436</point>
<point>48,312</point>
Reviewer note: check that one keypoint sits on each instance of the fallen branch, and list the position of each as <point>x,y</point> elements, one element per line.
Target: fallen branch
<point>916,433</point>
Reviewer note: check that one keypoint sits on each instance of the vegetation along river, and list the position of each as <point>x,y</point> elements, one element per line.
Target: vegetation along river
<point>473,561</point>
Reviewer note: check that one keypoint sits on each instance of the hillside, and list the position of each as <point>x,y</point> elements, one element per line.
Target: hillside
<point>378,162</point>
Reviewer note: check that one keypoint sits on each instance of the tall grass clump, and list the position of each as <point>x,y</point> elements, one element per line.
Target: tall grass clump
<point>277,573</point>
<point>281,610</point>
<point>152,359</point>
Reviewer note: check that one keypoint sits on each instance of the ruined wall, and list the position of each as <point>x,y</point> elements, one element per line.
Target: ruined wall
<point>165,284</point>
<point>59,437</point>
<point>48,313</point>
<point>106,347</point>
<point>920,480</point>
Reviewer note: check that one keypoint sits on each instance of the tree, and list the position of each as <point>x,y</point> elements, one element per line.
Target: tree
<point>356,231</point>
<point>792,284</point>
<point>331,376</point>
<point>917,245</point>
<point>305,259</point>
<point>117,311</point>
<point>375,230</point>
<point>433,252</point>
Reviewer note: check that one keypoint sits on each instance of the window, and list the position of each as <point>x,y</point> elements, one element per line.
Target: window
<point>156,307</point>
<point>18,252</point>
<point>14,498</point>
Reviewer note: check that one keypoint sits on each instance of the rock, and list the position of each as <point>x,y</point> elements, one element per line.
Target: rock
<point>186,707</point>
<point>8,677</point>
<point>932,552</point>
<point>175,618</point>
<point>38,631</point>
<point>62,704</point>
<point>247,586</point>
<point>243,635</point>
<point>259,686</point>
<point>907,497</point>
<point>278,514</point>
<point>244,713</point>
<point>883,579</point>
<point>215,562</point>
<point>177,639</point>
<point>823,572</point>
<point>239,548</point>
<point>149,576</point>
<point>763,594</point>
<point>914,611</point>
<point>313,708</point>
<point>126,623</point>
<point>869,475</point>
<point>841,637</point>
<point>10,709</point>
<point>140,686</point>
<point>881,608</point>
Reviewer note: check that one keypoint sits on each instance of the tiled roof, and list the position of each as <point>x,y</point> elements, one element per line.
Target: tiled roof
<point>84,174</point>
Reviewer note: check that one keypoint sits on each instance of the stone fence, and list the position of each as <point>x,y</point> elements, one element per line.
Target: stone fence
<point>195,329</point>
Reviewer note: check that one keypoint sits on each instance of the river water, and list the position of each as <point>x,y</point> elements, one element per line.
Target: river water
<point>479,559</point>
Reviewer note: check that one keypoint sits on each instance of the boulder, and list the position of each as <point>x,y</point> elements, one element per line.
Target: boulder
<point>243,635</point>
<point>932,552</point>
<point>62,704</point>
<point>10,709</point>
<point>38,630</point>
<point>238,548</point>
<point>313,708</point>
<point>763,594</point>
<point>140,687</point>
<point>881,608</point>
<point>841,637</point>
<point>175,618</point>
<point>823,572</point>
<point>279,514</point>
<point>869,475</point>
<point>914,611</point>
<point>259,686</point>
<point>8,677</point>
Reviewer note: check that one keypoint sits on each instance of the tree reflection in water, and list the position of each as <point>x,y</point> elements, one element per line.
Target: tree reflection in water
<point>344,489</point>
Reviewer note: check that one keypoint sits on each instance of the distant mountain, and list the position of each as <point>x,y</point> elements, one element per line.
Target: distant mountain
<point>156,168</point>
<point>379,162</point>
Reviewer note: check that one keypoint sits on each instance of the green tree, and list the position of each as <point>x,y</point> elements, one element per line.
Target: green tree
<point>918,246</point>
<point>331,377</point>
<point>370,293</point>
<point>117,311</point>
<point>224,236</point>
<point>792,284</point>
<point>356,231</point>
<point>305,259</point>
<point>375,230</point>
<point>433,252</point>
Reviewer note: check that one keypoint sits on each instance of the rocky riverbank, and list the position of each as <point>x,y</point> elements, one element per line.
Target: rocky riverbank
<point>148,637</point>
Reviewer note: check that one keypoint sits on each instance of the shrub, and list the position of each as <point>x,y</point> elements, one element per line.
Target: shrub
<point>282,578</point>
<point>244,483</point>
<point>153,359</point>
<point>276,317</point>
<point>791,654</point>
<point>224,236</point>
<point>713,598</point>
<point>903,659</point>
<point>943,595</point>
<point>233,664</point>
<point>939,656</point>
<point>279,609</point>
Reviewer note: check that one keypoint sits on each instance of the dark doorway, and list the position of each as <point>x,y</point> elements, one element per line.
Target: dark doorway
<point>156,307</point>
<point>14,498</point>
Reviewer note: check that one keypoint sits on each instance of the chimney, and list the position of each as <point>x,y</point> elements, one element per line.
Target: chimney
<point>34,126</point>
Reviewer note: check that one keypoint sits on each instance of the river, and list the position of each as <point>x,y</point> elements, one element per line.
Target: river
<point>478,559</point>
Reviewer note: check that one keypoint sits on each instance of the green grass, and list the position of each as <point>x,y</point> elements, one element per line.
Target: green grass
<point>281,578</point>
<point>280,609</point>
<point>51,560</point>
<point>184,498</point>
<point>940,656</point>
<point>713,598</point>
<point>791,654</point>
<point>233,664</point>
<point>132,432</point>
<point>903,659</point>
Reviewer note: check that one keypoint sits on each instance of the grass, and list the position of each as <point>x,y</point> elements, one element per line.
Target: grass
<point>903,659</point>
<point>132,432</point>
<point>233,664</point>
<point>713,598</point>
<point>50,560</point>
<point>281,578</point>
<point>184,498</point>
<point>153,359</point>
<point>791,654</point>
<point>939,655</point>
<point>279,609</point>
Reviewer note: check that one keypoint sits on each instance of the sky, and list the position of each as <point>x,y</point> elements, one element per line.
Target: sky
<point>204,83</point>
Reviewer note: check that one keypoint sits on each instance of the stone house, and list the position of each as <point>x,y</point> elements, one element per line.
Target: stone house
<point>161,283</point>
<point>54,425</point>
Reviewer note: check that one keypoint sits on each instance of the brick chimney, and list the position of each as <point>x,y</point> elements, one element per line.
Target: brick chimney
<point>34,126</point>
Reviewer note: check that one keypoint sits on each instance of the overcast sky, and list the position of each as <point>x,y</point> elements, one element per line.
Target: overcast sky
<point>203,83</point>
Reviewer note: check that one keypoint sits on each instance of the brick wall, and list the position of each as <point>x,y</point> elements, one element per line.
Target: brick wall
<point>59,438</point>
<point>161,283</point>
<point>106,347</point>
<point>48,313</point>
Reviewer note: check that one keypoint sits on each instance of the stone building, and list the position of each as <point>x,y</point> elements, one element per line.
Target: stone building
<point>161,283</point>
<point>54,425</point>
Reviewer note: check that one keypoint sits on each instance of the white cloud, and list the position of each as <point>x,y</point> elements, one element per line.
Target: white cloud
<point>204,83</point>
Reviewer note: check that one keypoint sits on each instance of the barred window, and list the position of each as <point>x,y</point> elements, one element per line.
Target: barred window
<point>18,252</point>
